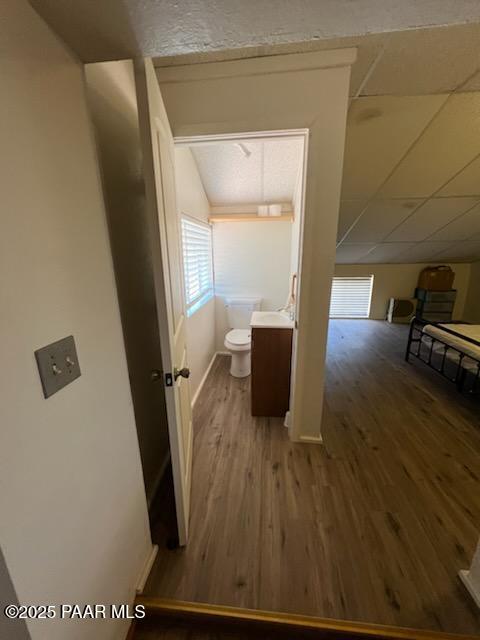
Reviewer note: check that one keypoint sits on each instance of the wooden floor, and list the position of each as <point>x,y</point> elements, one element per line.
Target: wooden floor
<point>372,526</point>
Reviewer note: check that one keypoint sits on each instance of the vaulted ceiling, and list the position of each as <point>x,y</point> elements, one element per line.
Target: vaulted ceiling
<point>250,173</point>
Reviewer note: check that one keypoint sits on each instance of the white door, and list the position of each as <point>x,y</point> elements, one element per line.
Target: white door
<point>159,173</point>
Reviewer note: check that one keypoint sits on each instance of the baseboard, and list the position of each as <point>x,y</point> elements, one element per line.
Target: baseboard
<point>202,381</point>
<point>470,587</point>
<point>311,439</point>
<point>146,569</point>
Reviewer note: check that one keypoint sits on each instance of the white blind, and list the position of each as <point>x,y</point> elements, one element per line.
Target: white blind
<point>197,263</point>
<point>351,297</point>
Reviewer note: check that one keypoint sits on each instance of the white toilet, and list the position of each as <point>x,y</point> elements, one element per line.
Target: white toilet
<point>238,340</point>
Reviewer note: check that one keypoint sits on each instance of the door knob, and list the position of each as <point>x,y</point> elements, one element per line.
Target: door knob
<point>155,375</point>
<point>185,373</point>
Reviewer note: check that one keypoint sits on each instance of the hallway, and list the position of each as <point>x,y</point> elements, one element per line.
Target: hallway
<point>373,526</point>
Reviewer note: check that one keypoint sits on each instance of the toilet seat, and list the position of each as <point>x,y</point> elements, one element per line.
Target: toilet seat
<point>239,340</point>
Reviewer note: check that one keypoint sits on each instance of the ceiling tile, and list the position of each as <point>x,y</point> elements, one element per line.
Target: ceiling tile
<point>352,253</point>
<point>473,84</point>
<point>422,252</point>
<point>380,129</point>
<point>448,144</point>
<point>349,212</point>
<point>430,217</point>
<point>386,252</point>
<point>380,218</point>
<point>466,183</point>
<point>426,61</point>
<point>462,228</point>
<point>465,251</point>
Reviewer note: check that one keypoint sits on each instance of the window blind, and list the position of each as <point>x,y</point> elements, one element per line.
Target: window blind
<point>197,263</point>
<point>351,297</point>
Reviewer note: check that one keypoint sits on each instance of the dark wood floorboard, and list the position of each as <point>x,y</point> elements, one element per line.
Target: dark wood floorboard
<point>372,526</point>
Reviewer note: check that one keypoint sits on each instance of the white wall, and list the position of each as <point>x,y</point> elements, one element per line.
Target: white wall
<point>399,281</point>
<point>472,303</point>
<point>250,259</point>
<point>192,200</point>
<point>272,93</point>
<point>73,523</point>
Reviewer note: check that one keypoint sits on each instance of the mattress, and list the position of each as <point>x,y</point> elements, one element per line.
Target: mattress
<point>471,331</point>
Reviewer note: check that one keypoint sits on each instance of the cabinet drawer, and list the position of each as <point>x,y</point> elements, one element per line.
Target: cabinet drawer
<point>436,296</point>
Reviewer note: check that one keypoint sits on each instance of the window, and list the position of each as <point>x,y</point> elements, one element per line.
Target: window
<point>351,297</point>
<point>197,263</point>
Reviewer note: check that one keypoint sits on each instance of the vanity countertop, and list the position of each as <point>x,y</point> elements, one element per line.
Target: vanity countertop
<point>271,320</point>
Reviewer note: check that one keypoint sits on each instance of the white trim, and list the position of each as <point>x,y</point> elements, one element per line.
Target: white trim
<point>311,439</point>
<point>202,381</point>
<point>465,578</point>
<point>265,65</point>
<point>259,136</point>
<point>472,590</point>
<point>147,567</point>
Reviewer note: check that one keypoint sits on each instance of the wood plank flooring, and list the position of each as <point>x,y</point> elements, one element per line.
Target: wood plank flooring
<point>372,526</point>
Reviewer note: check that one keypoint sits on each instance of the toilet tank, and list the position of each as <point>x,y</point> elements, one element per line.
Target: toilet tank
<point>239,311</point>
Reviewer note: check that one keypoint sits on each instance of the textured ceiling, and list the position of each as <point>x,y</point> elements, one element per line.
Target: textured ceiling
<point>111,29</point>
<point>268,174</point>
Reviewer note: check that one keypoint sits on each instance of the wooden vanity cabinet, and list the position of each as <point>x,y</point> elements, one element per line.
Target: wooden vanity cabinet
<point>271,366</point>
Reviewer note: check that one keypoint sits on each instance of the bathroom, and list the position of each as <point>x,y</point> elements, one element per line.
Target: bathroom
<point>240,202</point>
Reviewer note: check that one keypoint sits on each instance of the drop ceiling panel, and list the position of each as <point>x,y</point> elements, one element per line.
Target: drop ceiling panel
<point>473,84</point>
<point>352,253</point>
<point>386,252</point>
<point>466,183</point>
<point>448,144</point>
<point>426,61</point>
<point>380,129</point>
<point>429,218</point>
<point>462,228</point>
<point>349,212</point>
<point>380,218</point>
<point>422,252</point>
<point>465,251</point>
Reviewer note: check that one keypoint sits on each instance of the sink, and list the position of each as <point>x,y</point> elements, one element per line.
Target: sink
<point>271,320</point>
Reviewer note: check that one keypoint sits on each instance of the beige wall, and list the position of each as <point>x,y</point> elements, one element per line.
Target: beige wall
<point>271,93</point>
<point>251,259</point>
<point>74,524</point>
<point>472,304</point>
<point>192,200</point>
<point>399,281</point>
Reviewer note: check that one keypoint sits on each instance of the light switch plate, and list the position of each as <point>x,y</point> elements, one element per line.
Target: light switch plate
<point>57,365</point>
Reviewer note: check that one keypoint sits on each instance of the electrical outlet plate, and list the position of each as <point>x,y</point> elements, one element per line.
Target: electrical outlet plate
<point>57,365</point>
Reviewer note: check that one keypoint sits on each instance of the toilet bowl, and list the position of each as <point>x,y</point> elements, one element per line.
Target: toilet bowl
<point>238,340</point>
<point>239,343</point>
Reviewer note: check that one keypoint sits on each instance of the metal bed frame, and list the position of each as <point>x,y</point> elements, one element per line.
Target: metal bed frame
<point>436,354</point>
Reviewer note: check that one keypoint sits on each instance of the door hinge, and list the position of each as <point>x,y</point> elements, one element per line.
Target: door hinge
<point>168,380</point>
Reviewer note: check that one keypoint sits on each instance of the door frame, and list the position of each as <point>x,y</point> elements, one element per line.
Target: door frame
<point>206,139</point>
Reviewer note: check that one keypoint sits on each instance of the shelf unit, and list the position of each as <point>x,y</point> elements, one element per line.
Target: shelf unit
<point>243,217</point>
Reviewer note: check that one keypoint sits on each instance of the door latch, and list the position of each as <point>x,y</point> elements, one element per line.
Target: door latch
<point>185,373</point>
<point>168,380</point>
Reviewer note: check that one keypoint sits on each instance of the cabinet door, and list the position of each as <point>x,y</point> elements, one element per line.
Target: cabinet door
<point>271,366</point>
